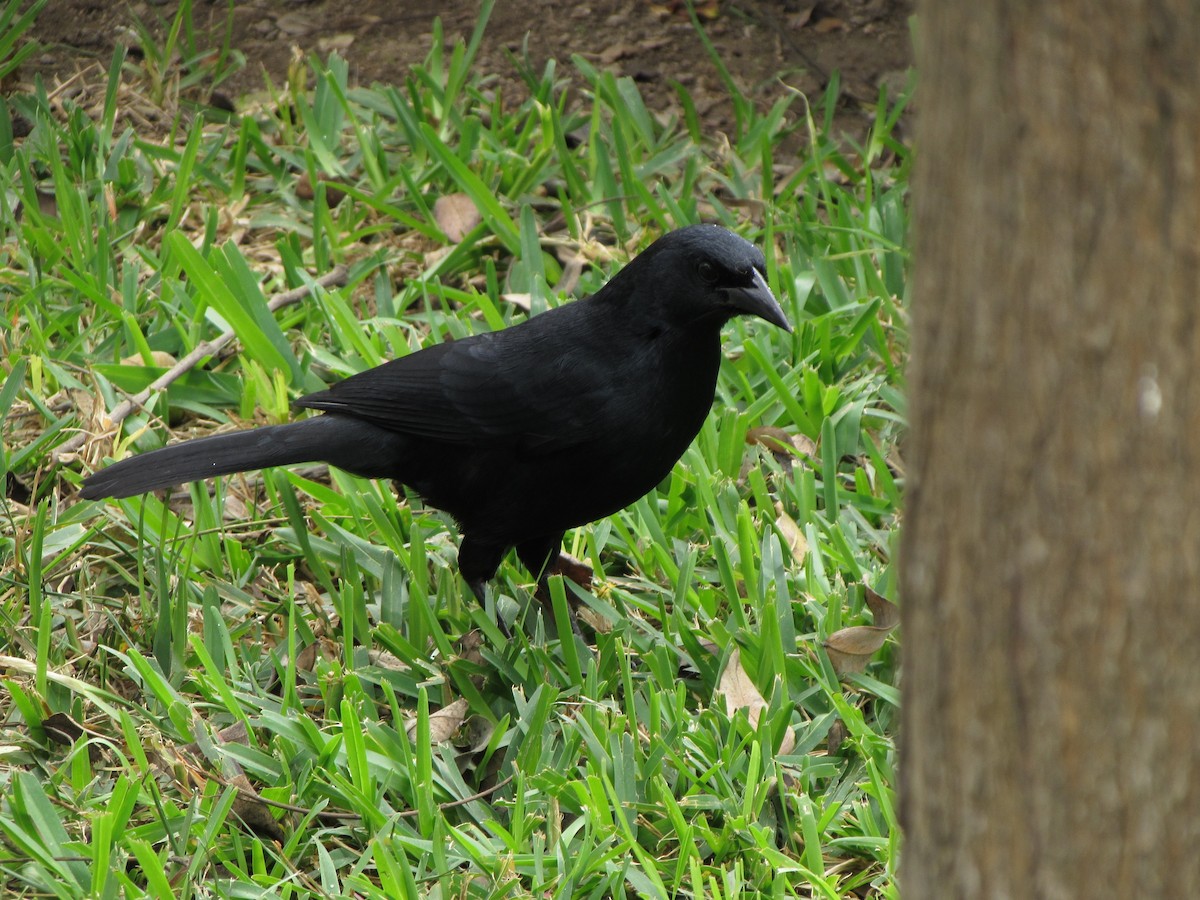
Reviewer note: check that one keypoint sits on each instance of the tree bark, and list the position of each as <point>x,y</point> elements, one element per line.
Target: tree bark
<point>1051,555</point>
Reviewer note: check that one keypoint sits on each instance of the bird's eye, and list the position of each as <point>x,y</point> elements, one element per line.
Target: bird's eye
<point>707,271</point>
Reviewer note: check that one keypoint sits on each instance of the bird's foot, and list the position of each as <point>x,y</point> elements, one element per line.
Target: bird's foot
<point>574,570</point>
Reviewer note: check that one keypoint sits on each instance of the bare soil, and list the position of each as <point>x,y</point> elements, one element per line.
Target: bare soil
<point>768,46</point>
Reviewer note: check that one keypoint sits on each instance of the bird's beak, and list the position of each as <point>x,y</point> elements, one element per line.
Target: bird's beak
<point>757,300</point>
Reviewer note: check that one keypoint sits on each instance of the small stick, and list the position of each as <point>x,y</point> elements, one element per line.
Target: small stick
<point>338,277</point>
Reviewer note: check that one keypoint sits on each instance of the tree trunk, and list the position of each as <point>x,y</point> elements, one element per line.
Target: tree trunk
<point>1051,558</point>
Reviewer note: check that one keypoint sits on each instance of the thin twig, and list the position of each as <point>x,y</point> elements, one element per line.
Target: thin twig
<point>338,277</point>
<point>340,815</point>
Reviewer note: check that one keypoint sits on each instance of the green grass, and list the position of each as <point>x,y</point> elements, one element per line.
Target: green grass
<point>264,691</point>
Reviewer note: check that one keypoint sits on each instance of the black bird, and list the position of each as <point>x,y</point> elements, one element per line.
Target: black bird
<point>522,433</point>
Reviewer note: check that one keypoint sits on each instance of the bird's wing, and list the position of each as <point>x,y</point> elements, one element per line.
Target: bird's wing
<point>535,385</point>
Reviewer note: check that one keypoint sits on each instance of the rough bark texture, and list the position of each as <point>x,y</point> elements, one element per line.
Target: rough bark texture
<point>1051,741</point>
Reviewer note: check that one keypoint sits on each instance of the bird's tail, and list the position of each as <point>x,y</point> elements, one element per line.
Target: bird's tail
<point>309,440</point>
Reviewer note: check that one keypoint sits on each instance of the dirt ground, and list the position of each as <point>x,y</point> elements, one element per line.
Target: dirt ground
<point>765,44</point>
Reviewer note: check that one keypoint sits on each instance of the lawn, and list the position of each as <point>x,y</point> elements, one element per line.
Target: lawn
<point>277,685</point>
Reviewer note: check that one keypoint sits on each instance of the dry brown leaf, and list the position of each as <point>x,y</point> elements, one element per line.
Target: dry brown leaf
<point>836,737</point>
<point>572,269</point>
<point>237,733</point>
<point>470,646</point>
<point>443,724</point>
<point>235,509</point>
<point>828,24</point>
<point>334,42</point>
<point>792,533</point>
<point>306,191</point>
<point>868,468</point>
<point>250,808</point>
<point>159,358</point>
<point>739,692</point>
<point>62,729</point>
<point>804,444</point>
<point>857,640</point>
<point>386,660</point>
<point>705,9</point>
<point>886,613</point>
<point>593,620</point>
<point>771,437</point>
<point>195,760</point>
<point>455,215</point>
<point>614,52</point>
<point>195,752</point>
<point>850,649</point>
<point>306,658</point>
<point>296,24</point>
<point>781,443</point>
<point>800,19</point>
<point>520,301</point>
<point>47,204</point>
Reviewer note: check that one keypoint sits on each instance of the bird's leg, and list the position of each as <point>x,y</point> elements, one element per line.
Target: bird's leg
<point>479,588</point>
<point>478,562</point>
<point>568,566</point>
<point>543,558</point>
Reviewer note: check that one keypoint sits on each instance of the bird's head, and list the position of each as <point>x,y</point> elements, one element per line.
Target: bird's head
<point>703,274</point>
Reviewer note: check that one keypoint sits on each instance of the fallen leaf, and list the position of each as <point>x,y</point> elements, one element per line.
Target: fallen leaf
<point>800,19</point>
<point>520,301</point>
<point>773,438</point>
<point>235,509</point>
<point>705,9</point>
<point>160,358</point>
<point>221,100</point>
<point>614,52</point>
<point>739,692</point>
<point>389,661</point>
<point>783,444</point>
<point>868,469</point>
<point>296,24</point>
<point>792,533</point>
<point>470,647</point>
<point>455,215</point>
<point>593,620</point>
<point>851,648</point>
<point>195,760</point>
<point>886,613</point>
<point>572,269</point>
<point>836,737</point>
<point>237,733</point>
<point>306,191</point>
<point>334,42</point>
<point>251,809</point>
<point>479,733</point>
<point>47,205</point>
<point>62,729</point>
<point>443,724</point>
